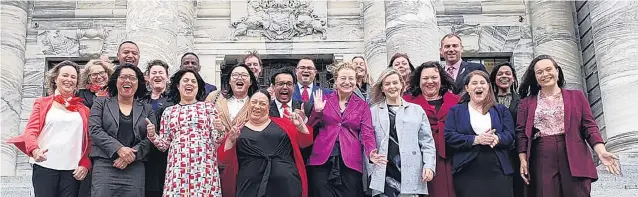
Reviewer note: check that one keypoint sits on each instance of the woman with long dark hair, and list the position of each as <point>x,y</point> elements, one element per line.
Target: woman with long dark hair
<point>119,138</point>
<point>187,131</point>
<point>554,127</point>
<point>480,134</point>
<point>431,88</point>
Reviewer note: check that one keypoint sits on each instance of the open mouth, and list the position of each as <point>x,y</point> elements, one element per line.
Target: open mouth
<point>240,84</point>
<point>157,80</point>
<point>189,89</point>
<point>479,92</point>
<point>305,74</point>
<point>284,94</point>
<point>127,88</point>
<point>129,60</point>
<point>504,80</point>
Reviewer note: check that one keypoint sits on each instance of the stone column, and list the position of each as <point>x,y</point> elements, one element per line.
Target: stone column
<point>411,28</point>
<point>187,12</point>
<point>615,35</point>
<point>374,37</point>
<point>152,25</point>
<point>14,35</point>
<point>557,37</point>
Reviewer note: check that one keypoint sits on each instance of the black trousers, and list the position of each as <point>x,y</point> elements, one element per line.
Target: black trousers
<point>54,183</point>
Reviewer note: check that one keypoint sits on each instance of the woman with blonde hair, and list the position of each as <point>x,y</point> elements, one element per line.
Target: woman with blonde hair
<point>480,134</point>
<point>335,165</point>
<point>93,80</point>
<point>364,80</point>
<point>400,128</point>
<point>56,136</point>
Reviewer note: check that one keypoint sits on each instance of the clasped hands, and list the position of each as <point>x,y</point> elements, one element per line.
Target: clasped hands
<point>488,138</point>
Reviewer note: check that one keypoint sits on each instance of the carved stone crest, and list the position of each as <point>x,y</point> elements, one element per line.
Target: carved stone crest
<point>59,43</point>
<point>280,20</point>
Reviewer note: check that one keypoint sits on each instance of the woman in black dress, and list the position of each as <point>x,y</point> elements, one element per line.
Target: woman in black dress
<point>266,160</point>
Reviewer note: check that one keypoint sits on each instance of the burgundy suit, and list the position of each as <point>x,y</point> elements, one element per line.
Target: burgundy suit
<point>441,185</point>
<point>580,127</point>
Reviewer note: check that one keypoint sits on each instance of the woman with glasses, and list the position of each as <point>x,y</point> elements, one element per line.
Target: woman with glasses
<point>118,126</point>
<point>93,80</point>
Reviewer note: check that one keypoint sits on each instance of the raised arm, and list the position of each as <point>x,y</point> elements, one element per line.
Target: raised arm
<point>144,146</point>
<point>163,140</point>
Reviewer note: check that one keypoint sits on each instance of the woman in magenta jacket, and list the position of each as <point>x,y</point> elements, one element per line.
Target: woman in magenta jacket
<point>335,165</point>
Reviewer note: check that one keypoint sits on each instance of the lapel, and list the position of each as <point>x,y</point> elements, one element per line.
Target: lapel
<point>297,94</point>
<point>333,102</point>
<point>567,103</point>
<point>312,93</point>
<point>449,100</point>
<point>495,119</point>
<point>515,100</point>
<point>464,119</point>
<point>531,112</point>
<point>459,75</point>
<point>273,109</point>
<point>384,119</point>
<point>138,108</point>
<point>114,109</point>
<point>353,103</point>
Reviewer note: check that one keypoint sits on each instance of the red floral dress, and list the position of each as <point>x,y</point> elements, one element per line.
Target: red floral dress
<point>187,132</point>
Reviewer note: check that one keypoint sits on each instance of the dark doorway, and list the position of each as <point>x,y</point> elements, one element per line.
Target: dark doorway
<point>271,63</point>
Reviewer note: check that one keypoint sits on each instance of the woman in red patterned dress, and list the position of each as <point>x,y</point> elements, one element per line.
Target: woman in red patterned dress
<point>187,131</point>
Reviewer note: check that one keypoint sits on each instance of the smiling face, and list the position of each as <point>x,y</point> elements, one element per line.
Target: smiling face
<point>504,77</point>
<point>306,71</point>
<point>158,77</point>
<point>98,75</point>
<point>430,82</point>
<point>127,83</point>
<point>546,73</point>
<point>478,88</point>
<point>259,105</point>
<point>253,63</point>
<point>283,88</point>
<point>402,65</point>
<point>392,86</point>
<point>360,66</point>
<point>190,62</point>
<point>239,81</point>
<point>67,80</point>
<point>188,87</point>
<point>128,53</point>
<point>451,49</point>
<point>346,80</point>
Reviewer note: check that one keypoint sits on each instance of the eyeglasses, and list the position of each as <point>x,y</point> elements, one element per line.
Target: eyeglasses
<point>306,68</point>
<point>282,84</point>
<point>97,74</point>
<point>238,76</point>
<point>132,78</point>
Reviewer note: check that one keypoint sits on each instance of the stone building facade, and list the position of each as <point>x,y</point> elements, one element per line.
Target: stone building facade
<point>595,42</point>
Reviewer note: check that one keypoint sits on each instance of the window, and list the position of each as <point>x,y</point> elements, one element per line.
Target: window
<point>490,60</point>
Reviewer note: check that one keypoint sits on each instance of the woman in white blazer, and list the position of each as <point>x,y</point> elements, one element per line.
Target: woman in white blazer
<point>403,135</point>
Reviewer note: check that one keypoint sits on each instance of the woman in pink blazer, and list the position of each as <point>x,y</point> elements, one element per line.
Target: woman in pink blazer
<point>56,136</point>
<point>335,165</point>
<point>554,127</point>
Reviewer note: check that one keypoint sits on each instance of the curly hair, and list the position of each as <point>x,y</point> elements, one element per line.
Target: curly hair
<point>55,72</point>
<point>173,89</point>
<point>447,83</point>
<point>341,66</point>
<point>86,72</point>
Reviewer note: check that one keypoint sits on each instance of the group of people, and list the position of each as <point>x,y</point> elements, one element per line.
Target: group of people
<point>432,130</point>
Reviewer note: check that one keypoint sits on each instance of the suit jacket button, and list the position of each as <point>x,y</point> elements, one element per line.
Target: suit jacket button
<point>413,152</point>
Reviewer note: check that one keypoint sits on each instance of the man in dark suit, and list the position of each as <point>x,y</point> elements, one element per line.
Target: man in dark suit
<point>305,88</point>
<point>190,60</point>
<point>451,50</point>
<point>283,105</point>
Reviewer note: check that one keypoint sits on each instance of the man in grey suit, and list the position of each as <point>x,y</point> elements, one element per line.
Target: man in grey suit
<point>451,50</point>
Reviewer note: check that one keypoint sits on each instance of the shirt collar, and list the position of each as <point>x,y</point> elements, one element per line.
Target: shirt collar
<point>456,65</point>
<point>240,100</point>
<point>280,105</point>
<point>301,86</point>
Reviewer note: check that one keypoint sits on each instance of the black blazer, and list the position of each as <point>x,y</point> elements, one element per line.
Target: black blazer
<point>156,160</point>
<point>274,112</point>
<point>516,99</point>
<point>104,124</point>
<point>466,68</point>
<point>87,97</point>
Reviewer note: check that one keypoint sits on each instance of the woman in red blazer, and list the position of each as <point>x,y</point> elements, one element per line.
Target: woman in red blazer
<point>56,136</point>
<point>553,127</point>
<point>262,156</point>
<point>431,88</point>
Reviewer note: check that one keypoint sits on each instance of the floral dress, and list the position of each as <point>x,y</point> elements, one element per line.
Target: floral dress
<point>187,132</point>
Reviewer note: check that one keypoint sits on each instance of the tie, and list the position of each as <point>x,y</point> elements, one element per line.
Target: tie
<point>450,71</point>
<point>304,94</point>
<point>286,111</point>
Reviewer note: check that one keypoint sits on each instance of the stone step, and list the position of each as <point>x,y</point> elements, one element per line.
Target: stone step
<point>16,186</point>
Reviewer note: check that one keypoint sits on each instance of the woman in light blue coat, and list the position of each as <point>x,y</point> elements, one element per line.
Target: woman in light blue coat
<point>403,135</point>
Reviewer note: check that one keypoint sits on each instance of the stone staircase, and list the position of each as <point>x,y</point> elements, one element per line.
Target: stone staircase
<point>16,186</point>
